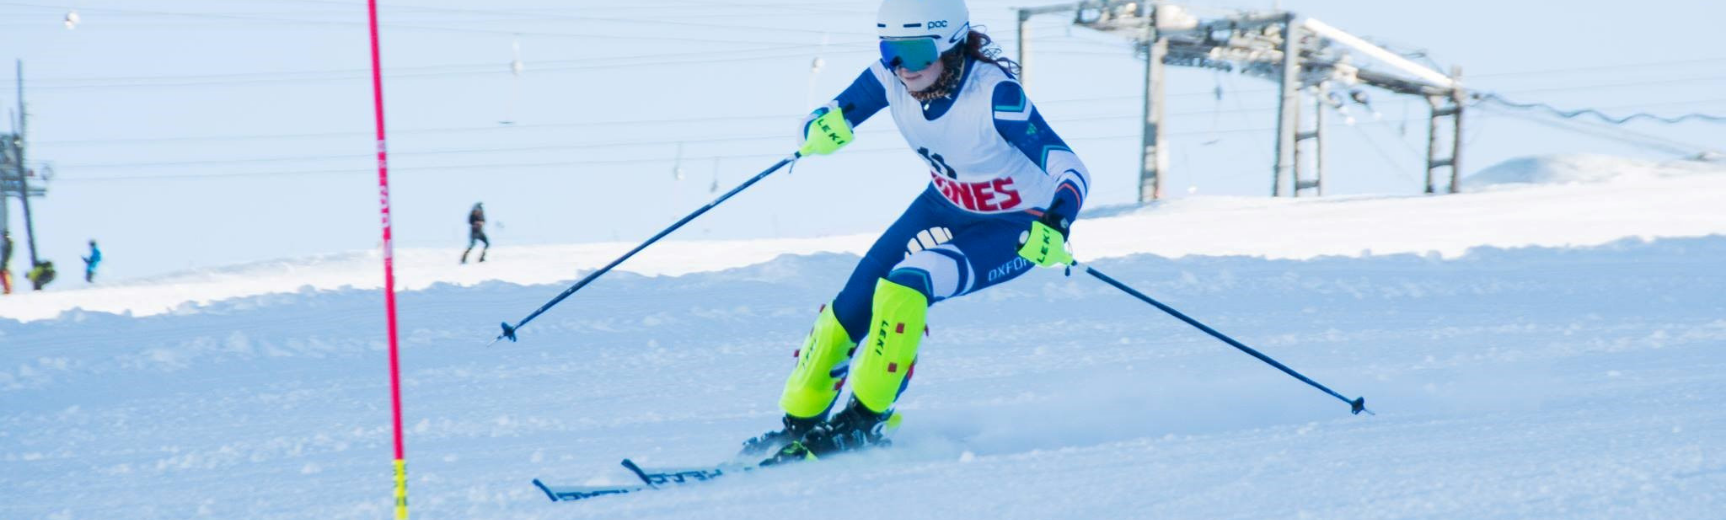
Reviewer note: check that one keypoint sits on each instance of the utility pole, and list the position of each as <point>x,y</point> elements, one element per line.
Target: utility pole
<point>1322,100</point>
<point>1434,114</point>
<point>1288,108</point>
<point>1318,136</point>
<point>1023,34</point>
<point>1438,108</point>
<point>1153,156</point>
<point>1022,39</point>
<point>23,177</point>
<point>1457,126</point>
<point>5,209</point>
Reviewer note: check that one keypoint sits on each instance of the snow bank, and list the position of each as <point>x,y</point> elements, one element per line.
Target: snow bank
<point>1645,200</point>
<point>1584,168</point>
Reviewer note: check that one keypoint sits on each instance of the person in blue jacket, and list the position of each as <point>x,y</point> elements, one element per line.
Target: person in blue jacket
<point>91,261</point>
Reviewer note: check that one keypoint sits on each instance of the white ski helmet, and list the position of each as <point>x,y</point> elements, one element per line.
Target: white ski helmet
<point>914,32</point>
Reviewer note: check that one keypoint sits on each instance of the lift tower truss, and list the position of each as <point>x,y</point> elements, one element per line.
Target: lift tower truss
<point>1306,58</point>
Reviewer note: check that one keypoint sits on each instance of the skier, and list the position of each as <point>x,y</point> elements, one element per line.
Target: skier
<point>5,262</point>
<point>90,262</point>
<point>476,220</point>
<point>41,274</point>
<point>1004,189</point>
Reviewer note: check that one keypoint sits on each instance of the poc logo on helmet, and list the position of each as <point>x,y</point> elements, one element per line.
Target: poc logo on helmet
<point>937,24</point>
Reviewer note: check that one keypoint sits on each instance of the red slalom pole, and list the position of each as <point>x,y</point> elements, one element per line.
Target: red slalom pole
<point>400,464</point>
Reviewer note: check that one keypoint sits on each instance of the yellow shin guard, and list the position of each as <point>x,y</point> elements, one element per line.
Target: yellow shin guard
<point>817,379</point>
<point>897,316</point>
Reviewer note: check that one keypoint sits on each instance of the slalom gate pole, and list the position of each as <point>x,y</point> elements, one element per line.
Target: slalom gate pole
<point>400,462</point>
<point>510,330</point>
<point>1357,406</point>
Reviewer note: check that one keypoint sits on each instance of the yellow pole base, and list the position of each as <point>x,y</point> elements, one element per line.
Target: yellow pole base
<point>401,489</point>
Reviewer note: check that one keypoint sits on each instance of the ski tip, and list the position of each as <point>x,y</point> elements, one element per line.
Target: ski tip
<point>1359,405</point>
<point>549,493</point>
<point>631,465</point>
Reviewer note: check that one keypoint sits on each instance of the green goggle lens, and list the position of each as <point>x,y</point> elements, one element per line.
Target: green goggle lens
<point>909,53</point>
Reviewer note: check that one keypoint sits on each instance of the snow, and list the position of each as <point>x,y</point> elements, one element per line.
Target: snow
<point>1648,200</point>
<point>1584,168</point>
<point>1543,351</point>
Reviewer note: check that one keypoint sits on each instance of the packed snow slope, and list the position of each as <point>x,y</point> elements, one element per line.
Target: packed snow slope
<point>1575,375</point>
<point>1565,200</point>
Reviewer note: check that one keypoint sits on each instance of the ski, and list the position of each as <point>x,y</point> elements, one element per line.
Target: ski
<point>657,477</point>
<point>662,477</point>
<point>652,478</point>
<point>574,493</point>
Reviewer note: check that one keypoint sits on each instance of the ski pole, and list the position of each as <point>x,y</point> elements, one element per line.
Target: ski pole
<point>510,330</point>
<point>1357,406</point>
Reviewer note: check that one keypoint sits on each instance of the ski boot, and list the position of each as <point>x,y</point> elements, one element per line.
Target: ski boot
<point>855,427</point>
<point>762,445</point>
<point>812,387</point>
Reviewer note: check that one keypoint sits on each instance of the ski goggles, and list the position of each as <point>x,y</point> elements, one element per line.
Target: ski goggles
<point>913,54</point>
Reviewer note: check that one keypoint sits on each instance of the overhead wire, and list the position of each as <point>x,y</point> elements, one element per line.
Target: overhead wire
<point>1490,97</point>
<point>463,30</point>
<point>616,144</point>
<point>448,70</point>
<point>558,147</point>
<point>472,69</point>
<point>1381,152</point>
<point>657,20</point>
<point>776,51</point>
<point>1617,134</point>
<point>496,167</point>
<point>584,124</point>
<point>1621,66</point>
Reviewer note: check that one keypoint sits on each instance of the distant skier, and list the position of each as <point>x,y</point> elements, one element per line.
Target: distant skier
<point>91,261</point>
<point>41,274</point>
<point>477,221</point>
<point>5,262</point>
<point>1004,189</point>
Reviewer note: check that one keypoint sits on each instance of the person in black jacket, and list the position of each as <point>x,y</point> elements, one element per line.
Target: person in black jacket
<point>476,221</point>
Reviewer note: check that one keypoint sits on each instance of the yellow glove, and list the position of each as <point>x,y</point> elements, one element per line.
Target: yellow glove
<point>826,133</point>
<point>1045,246</point>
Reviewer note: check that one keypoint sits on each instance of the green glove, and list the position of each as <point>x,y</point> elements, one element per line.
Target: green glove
<point>826,134</point>
<point>1046,246</point>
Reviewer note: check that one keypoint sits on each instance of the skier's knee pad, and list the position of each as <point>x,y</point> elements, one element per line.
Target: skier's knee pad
<point>821,370</point>
<point>897,324</point>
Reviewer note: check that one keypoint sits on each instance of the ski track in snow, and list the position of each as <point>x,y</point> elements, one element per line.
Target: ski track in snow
<point>1531,382</point>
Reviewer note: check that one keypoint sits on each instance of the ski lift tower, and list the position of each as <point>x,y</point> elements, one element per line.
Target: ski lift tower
<point>1304,56</point>
<point>16,179</point>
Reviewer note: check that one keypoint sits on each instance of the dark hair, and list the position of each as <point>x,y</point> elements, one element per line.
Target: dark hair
<point>980,47</point>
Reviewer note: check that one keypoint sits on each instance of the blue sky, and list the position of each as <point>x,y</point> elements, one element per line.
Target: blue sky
<point>195,133</point>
